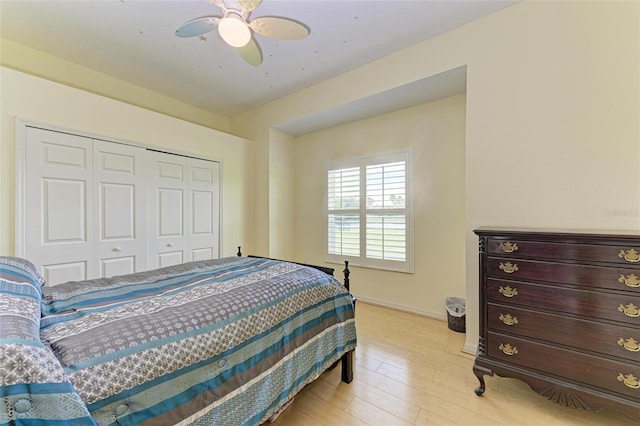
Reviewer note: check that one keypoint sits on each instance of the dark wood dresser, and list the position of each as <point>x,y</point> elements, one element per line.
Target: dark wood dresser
<point>561,311</point>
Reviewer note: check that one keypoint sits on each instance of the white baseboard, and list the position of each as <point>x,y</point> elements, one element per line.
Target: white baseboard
<point>470,348</point>
<point>429,314</point>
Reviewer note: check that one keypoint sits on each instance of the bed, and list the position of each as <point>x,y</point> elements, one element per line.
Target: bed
<point>227,342</point>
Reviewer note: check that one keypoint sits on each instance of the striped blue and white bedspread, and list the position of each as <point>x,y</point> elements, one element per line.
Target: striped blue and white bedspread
<point>219,342</point>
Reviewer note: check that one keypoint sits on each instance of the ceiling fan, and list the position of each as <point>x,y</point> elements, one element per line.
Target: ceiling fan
<point>237,30</point>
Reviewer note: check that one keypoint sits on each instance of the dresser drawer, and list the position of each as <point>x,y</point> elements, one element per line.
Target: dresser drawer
<point>623,254</point>
<point>616,307</point>
<point>614,278</point>
<point>620,341</point>
<point>613,376</point>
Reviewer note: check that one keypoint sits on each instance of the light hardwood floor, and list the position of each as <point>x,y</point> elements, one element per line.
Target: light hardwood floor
<point>409,370</point>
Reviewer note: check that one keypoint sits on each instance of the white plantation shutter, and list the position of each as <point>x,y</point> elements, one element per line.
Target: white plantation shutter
<point>344,211</point>
<point>385,211</point>
<point>368,215</point>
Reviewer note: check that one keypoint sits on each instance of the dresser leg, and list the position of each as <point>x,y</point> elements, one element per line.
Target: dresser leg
<point>480,372</point>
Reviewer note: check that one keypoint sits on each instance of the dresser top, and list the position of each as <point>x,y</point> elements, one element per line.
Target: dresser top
<point>558,232</point>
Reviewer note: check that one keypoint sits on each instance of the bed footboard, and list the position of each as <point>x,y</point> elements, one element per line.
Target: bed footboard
<point>326,270</point>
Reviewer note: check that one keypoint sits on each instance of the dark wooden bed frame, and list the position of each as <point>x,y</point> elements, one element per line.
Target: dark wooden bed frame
<point>347,359</point>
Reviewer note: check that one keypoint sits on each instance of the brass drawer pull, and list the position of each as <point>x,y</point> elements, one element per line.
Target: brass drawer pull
<point>631,255</point>
<point>630,280</point>
<point>629,380</point>
<point>508,247</point>
<point>630,344</point>
<point>630,310</point>
<point>507,349</point>
<point>508,319</point>
<point>508,267</point>
<point>508,291</point>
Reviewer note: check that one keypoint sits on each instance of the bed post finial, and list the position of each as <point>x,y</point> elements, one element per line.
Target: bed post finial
<point>346,272</point>
<point>239,251</point>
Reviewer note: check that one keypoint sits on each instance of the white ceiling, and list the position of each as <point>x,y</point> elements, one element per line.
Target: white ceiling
<point>133,40</point>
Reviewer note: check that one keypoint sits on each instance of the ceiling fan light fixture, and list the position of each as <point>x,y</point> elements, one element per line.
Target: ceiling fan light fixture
<point>237,29</point>
<point>234,31</point>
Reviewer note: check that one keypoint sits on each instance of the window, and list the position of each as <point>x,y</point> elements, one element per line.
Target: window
<point>368,214</point>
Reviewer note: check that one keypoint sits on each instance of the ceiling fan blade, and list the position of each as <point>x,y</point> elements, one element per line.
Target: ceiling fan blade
<point>251,53</point>
<point>219,3</point>
<point>249,5</point>
<point>280,28</point>
<point>198,26</point>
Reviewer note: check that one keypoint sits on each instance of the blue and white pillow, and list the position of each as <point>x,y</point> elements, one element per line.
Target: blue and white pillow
<point>20,297</point>
<point>34,388</point>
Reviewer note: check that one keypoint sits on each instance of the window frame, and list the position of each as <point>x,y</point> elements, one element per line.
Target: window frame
<point>362,162</point>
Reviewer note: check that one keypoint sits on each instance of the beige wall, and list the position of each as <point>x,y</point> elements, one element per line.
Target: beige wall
<point>31,61</point>
<point>436,133</point>
<point>35,99</point>
<point>552,133</point>
<point>282,207</point>
<point>552,122</point>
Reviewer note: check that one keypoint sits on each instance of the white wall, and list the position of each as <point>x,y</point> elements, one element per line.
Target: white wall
<point>35,99</point>
<point>553,106</point>
<point>436,133</point>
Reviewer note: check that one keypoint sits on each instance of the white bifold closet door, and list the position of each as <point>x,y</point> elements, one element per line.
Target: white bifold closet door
<point>59,205</point>
<point>184,205</point>
<point>120,208</point>
<point>95,208</point>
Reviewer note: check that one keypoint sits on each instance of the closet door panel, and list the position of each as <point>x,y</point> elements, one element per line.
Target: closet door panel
<point>58,208</point>
<point>167,243</point>
<point>170,258</point>
<point>170,212</point>
<point>64,211</point>
<point>202,206</point>
<point>202,254</point>
<point>58,273</point>
<point>117,211</point>
<point>120,174</point>
<point>205,207</point>
<point>117,266</point>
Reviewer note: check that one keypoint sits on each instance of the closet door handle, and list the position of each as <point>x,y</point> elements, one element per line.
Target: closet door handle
<point>170,244</point>
<point>117,249</point>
